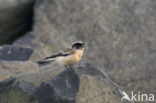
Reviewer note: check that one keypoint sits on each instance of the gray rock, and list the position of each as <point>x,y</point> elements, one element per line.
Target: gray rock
<point>15,19</point>
<point>14,53</point>
<point>82,84</point>
<point>17,92</point>
<point>119,34</point>
<point>4,85</point>
<point>29,41</point>
<point>15,68</point>
<point>141,80</point>
<point>19,79</point>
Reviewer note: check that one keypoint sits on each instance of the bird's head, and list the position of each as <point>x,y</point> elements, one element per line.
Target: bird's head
<point>78,45</point>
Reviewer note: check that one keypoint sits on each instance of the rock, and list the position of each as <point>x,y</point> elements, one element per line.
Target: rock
<point>141,80</point>
<point>4,85</point>
<point>17,93</point>
<point>14,53</point>
<point>41,74</point>
<point>24,77</point>
<point>29,41</point>
<point>82,84</point>
<point>28,71</point>
<point>15,19</point>
<point>121,32</point>
<point>15,68</point>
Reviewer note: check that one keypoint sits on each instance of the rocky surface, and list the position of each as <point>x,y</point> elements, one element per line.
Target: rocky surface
<point>119,34</point>
<point>82,84</point>
<point>17,63</point>
<point>24,81</point>
<point>14,53</point>
<point>14,68</point>
<point>15,19</point>
<point>142,80</point>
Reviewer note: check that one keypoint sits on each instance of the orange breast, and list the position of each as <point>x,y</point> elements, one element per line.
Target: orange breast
<point>73,59</point>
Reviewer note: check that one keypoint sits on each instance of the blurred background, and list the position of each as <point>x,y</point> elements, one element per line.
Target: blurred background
<point>120,36</point>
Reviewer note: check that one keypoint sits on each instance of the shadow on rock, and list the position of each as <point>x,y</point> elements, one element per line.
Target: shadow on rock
<point>81,84</point>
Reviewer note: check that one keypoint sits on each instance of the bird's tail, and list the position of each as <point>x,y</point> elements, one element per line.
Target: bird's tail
<point>46,61</point>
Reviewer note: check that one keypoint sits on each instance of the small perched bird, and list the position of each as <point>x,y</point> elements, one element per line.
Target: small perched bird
<point>69,57</point>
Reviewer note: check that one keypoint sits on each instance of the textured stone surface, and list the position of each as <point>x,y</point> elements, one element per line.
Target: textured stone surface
<point>29,41</point>
<point>17,92</point>
<point>82,84</point>
<point>15,68</point>
<point>14,53</point>
<point>142,80</point>
<point>120,36</point>
<point>15,19</point>
<point>4,85</point>
<point>24,77</point>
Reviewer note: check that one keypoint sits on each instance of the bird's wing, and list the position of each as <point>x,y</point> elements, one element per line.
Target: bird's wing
<point>66,52</point>
<point>49,59</point>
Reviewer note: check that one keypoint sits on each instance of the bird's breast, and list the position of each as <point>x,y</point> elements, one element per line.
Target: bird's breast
<point>71,59</point>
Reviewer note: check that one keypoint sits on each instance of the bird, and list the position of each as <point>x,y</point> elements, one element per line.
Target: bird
<point>70,56</point>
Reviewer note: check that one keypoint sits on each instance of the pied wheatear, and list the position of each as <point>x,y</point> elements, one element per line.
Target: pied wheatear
<point>68,57</point>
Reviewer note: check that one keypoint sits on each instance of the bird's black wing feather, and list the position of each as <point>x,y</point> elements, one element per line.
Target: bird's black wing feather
<point>67,52</point>
<point>57,55</point>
